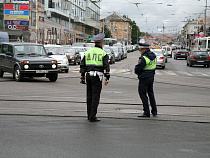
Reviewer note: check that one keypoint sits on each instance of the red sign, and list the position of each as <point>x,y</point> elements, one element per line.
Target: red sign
<point>9,6</point>
<point>24,7</point>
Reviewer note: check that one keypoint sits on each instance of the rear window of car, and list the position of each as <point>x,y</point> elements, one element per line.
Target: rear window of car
<point>199,53</point>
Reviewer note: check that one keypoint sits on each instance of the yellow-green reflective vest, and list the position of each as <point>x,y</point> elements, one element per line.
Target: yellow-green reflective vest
<point>150,64</point>
<point>94,57</point>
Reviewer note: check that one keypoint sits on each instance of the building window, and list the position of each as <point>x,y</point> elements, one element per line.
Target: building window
<point>33,19</point>
<point>115,24</point>
<point>112,23</point>
<point>126,36</point>
<point>126,30</point>
<point>42,1</point>
<point>126,24</point>
<point>116,30</point>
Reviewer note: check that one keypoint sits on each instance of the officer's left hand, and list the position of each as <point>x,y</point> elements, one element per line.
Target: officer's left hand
<point>106,82</point>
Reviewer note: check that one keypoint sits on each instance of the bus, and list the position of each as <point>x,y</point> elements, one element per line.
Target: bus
<point>110,41</point>
<point>202,44</point>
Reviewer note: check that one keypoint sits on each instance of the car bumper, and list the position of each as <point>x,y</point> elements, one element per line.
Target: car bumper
<point>200,62</point>
<point>181,56</point>
<point>160,63</point>
<point>35,71</point>
<point>72,61</point>
<point>63,66</point>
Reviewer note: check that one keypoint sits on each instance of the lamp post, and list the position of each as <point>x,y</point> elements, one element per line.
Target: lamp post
<point>36,21</point>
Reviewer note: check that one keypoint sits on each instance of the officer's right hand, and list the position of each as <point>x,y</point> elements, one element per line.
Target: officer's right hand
<point>106,82</point>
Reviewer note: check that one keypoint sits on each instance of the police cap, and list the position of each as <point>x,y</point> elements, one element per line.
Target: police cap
<point>98,37</point>
<point>144,45</point>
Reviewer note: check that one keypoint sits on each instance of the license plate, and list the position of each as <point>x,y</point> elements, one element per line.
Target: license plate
<point>41,71</point>
<point>200,61</point>
<point>182,54</point>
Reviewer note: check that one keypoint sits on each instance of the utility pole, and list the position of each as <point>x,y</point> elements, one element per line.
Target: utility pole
<point>69,19</point>
<point>103,24</point>
<point>205,19</point>
<point>36,21</point>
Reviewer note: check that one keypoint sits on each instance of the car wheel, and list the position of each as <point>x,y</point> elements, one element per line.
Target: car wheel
<point>187,63</point>
<point>18,75</point>
<point>53,77</point>
<point>75,63</point>
<point>1,73</point>
<point>163,67</point>
<point>208,66</point>
<point>190,64</point>
<point>185,58</point>
<point>67,71</point>
<point>166,60</point>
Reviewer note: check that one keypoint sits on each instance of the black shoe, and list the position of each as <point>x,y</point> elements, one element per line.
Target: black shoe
<point>95,120</point>
<point>143,115</point>
<point>155,115</point>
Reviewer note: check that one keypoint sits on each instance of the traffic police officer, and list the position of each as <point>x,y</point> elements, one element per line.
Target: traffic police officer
<point>145,69</point>
<point>94,65</point>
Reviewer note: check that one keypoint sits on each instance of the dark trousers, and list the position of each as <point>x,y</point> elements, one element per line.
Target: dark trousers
<point>94,86</point>
<point>146,88</point>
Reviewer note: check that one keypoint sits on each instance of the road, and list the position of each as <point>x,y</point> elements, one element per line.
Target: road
<point>42,119</point>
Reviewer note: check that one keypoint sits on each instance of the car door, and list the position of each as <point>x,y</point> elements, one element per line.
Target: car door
<point>9,59</point>
<point>2,58</point>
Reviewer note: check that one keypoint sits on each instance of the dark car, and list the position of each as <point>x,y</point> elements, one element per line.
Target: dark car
<point>27,60</point>
<point>182,53</point>
<point>198,58</point>
<point>111,55</point>
<point>73,55</point>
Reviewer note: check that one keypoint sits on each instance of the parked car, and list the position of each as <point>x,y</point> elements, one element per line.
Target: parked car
<point>161,59</point>
<point>73,55</point>
<point>125,52</point>
<point>117,53</point>
<point>198,58</point>
<point>57,52</point>
<point>180,53</point>
<point>168,50</point>
<point>165,54</point>
<point>27,60</point>
<point>111,55</point>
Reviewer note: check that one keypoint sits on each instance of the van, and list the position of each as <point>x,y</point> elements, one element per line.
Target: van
<point>168,50</point>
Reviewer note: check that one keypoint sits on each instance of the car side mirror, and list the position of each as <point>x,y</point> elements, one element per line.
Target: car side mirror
<point>49,53</point>
<point>9,54</point>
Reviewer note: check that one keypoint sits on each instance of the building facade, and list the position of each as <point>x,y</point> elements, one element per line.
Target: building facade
<point>61,21</point>
<point>120,27</point>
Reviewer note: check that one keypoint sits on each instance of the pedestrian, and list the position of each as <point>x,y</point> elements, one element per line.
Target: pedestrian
<point>95,65</point>
<point>145,69</point>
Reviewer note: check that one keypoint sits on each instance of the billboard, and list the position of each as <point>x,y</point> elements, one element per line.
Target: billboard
<point>24,7</point>
<point>20,1</point>
<point>16,22</point>
<point>9,6</point>
<point>16,17</point>
<point>15,27</point>
<point>16,12</point>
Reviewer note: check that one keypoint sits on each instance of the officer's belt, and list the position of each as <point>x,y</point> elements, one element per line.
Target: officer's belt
<point>149,69</point>
<point>96,73</point>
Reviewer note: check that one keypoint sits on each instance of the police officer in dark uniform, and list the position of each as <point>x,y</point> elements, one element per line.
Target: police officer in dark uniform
<point>145,69</point>
<point>95,65</point>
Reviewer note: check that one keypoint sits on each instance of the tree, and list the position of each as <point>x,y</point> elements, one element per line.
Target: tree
<point>135,33</point>
<point>107,32</point>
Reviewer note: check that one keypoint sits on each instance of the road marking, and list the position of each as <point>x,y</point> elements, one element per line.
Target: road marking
<point>184,73</point>
<point>157,72</point>
<point>200,74</point>
<point>75,70</point>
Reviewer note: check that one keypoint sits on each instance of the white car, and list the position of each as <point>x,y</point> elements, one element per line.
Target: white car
<point>168,50</point>
<point>57,52</point>
<point>161,59</point>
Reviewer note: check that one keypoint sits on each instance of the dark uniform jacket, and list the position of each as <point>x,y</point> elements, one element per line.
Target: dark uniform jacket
<point>139,68</point>
<point>105,67</point>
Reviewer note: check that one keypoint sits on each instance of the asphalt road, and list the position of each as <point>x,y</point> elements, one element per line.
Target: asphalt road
<point>55,137</point>
<point>43,119</point>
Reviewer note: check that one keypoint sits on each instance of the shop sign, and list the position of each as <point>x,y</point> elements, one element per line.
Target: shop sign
<point>15,27</point>
<point>16,12</point>
<point>16,22</point>
<point>16,17</point>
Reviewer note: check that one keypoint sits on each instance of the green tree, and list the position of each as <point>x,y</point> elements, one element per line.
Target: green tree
<point>107,32</point>
<point>135,34</point>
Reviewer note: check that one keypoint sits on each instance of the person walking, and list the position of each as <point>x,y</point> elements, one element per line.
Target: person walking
<point>95,65</point>
<point>145,69</point>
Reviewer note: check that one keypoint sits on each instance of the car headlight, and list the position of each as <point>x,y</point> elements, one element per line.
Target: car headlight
<point>54,66</point>
<point>65,60</point>
<point>26,66</point>
<point>71,57</point>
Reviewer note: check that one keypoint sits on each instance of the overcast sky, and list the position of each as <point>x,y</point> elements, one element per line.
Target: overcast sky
<point>154,13</point>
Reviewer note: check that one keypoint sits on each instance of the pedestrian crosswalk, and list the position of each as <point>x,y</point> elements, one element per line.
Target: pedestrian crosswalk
<point>158,72</point>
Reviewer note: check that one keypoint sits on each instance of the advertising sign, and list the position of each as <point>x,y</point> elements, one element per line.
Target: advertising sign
<point>15,27</point>
<point>16,22</point>
<point>24,7</point>
<point>16,12</point>
<point>9,6</point>
<point>16,17</point>
<point>20,1</point>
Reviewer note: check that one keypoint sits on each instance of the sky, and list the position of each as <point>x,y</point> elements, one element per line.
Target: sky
<point>151,15</point>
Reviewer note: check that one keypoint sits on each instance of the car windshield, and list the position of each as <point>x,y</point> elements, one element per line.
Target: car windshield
<point>182,51</point>
<point>81,49</point>
<point>108,51</point>
<point>168,49</point>
<point>157,52</point>
<point>30,50</point>
<point>69,51</point>
<point>55,50</point>
<point>199,53</point>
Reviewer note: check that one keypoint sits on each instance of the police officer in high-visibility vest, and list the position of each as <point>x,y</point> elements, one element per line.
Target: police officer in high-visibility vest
<point>145,69</point>
<point>95,65</point>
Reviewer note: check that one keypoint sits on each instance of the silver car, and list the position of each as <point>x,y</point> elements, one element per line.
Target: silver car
<point>117,53</point>
<point>161,59</point>
<point>57,52</point>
